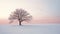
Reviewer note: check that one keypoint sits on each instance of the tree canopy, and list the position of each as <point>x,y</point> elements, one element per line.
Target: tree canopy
<point>20,15</point>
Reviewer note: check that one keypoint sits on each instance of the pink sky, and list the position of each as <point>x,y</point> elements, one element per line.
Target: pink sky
<point>46,20</point>
<point>43,11</point>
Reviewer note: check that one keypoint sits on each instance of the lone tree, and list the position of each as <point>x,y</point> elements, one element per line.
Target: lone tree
<point>20,15</point>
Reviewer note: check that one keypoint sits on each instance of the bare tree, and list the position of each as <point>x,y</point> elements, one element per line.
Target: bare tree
<point>21,15</point>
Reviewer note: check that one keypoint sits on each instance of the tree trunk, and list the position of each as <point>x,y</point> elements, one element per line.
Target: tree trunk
<point>19,22</point>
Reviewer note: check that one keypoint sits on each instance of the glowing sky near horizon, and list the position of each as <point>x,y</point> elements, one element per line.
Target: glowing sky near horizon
<point>39,9</point>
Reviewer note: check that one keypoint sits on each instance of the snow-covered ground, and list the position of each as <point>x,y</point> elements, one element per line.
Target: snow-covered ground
<point>30,29</point>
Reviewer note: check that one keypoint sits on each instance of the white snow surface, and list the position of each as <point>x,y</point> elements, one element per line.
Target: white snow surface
<point>30,29</point>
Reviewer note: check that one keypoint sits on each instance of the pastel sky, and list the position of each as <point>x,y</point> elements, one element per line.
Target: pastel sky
<point>43,11</point>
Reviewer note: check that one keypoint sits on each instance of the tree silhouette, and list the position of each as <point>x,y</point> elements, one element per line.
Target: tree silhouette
<point>21,15</point>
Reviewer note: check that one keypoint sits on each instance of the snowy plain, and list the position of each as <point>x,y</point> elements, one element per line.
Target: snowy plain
<point>30,29</point>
